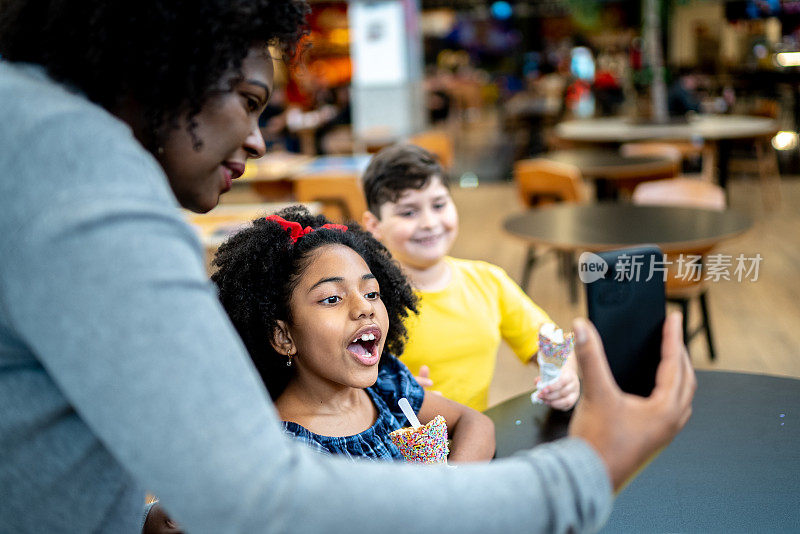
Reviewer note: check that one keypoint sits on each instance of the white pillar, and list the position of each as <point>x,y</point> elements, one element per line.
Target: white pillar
<point>655,58</point>
<point>386,51</point>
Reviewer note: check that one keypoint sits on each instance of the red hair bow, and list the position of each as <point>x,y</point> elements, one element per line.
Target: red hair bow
<point>297,231</point>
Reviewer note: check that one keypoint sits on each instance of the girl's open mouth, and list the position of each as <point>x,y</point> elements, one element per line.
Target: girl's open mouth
<point>365,346</point>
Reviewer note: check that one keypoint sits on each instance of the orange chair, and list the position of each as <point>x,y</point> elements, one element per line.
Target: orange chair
<point>339,194</point>
<point>689,193</point>
<point>542,181</point>
<point>438,143</point>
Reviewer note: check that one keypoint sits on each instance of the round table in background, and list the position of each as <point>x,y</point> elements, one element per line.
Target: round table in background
<point>610,225</point>
<point>611,171</point>
<point>717,130</point>
<point>610,164</point>
<point>735,467</point>
<point>700,127</point>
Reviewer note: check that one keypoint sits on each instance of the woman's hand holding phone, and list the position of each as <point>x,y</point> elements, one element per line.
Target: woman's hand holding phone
<point>625,429</point>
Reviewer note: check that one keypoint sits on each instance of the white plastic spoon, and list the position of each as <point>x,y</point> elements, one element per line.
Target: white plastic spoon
<point>408,412</point>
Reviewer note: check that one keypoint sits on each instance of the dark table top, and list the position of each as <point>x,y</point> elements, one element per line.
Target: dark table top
<point>611,165</point>
<point>612,225</point>
<point>735,467</point>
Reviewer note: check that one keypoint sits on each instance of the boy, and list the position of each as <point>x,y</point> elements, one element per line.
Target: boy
<point>466,306</point>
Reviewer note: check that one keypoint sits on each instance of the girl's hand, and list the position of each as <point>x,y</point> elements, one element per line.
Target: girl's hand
<point>471,433</point>
<point>564,392</point>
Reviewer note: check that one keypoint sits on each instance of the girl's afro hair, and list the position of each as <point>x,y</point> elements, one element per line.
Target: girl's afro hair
<point>259,267</point>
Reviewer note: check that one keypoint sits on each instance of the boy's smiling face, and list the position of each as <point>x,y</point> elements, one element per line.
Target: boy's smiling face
<point>420,227</point>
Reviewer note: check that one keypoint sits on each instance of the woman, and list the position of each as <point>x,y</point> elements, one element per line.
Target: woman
<point>113,114</point>
<point>119,372</point>
<point>191,91</point>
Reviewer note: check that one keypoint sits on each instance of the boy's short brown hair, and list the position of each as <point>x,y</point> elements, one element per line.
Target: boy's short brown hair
<point>395,169</point>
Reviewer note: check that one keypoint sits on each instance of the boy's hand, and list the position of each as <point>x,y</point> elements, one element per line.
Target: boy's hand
<point>564,392</point>
<point>626,430</point>
<point>424,379</point>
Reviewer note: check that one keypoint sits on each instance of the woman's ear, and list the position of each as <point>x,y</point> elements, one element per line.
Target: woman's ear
<point>281,339</point>
<point>372,224</point>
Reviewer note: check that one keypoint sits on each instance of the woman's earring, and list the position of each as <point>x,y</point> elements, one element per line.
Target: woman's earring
<point>289,360</point>
<point>160,150</point>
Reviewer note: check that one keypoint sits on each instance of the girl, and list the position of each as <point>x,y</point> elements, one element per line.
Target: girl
<point>320,308</point>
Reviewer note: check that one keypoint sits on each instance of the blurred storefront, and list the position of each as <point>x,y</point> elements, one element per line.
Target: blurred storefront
<point>535,63</point>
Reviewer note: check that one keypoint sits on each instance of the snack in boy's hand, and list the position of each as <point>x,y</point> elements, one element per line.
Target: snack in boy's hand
<point>554,348</point>
<point>424,445</point>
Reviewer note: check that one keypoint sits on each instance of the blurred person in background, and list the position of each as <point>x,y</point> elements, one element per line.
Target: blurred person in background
<point>682,96</point>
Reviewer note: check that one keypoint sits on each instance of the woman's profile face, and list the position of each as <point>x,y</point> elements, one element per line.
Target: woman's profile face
<point>227,126</point>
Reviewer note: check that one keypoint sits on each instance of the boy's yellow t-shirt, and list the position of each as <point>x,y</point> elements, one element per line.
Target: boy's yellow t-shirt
<point>458,330</point>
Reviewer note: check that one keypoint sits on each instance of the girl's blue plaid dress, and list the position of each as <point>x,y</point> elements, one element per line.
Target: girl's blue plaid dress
<point>394,381</point>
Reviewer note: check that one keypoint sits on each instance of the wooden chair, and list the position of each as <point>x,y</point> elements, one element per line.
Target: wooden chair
<point>763,162</point>
<point>756,156</point>
<point>664,150</point>
<point>690,193</point>
<point>338,193</point>
<point>540,182</point>
<point>679,151</point>
<point>649,149</point>
<point>437,142</point>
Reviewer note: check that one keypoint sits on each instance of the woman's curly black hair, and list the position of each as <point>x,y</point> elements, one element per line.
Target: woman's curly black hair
<point>259,267</point>
<point>166,55</point>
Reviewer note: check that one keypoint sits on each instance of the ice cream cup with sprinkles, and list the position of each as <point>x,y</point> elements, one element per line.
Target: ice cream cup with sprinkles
<point>554,348</point>
<point>424,445</point>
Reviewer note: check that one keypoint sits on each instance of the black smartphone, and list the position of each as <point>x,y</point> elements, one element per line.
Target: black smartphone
<point>626,303</point>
